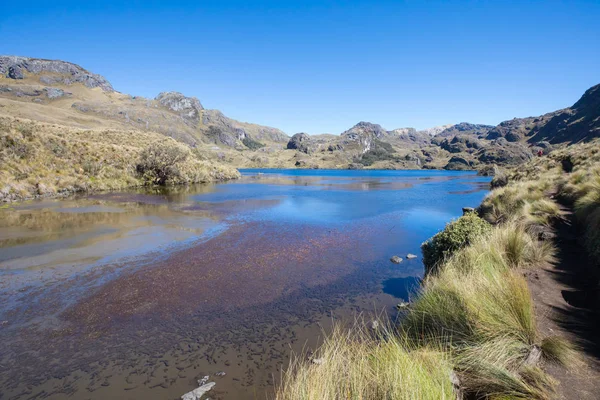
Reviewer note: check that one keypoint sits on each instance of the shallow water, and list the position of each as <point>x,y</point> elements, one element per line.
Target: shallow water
<point>139,294</point>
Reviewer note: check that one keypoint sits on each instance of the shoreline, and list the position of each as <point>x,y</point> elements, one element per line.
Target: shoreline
<point>481,305</point>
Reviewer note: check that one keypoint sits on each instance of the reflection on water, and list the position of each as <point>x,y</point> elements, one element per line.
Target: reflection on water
<point>401,288</point>
<point>56,233</point>
<point>138,294</point>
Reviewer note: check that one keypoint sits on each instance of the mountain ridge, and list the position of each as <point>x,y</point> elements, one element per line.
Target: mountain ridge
<point>64,93</point>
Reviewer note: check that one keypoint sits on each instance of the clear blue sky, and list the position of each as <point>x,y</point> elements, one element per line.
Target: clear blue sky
<point>322,66</point>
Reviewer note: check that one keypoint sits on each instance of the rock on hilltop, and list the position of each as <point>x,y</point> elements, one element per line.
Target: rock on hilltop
<point>188,108</point>
<point>15,67</point>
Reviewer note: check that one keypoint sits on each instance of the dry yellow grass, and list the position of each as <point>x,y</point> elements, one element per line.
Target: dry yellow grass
<point>359,364</point>
<point>44,159</point>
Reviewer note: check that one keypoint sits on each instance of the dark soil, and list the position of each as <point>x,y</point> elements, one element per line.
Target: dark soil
<point>567,301</point>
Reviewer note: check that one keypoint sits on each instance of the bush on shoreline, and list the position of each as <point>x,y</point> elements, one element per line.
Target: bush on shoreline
<point>38,159</point>
<point>457,234</point>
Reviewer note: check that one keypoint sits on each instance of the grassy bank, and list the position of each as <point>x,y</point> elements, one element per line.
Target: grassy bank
<point>39,159</point>
<point>474,313</point>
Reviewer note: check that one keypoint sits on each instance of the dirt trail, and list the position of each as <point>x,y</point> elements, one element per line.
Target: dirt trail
<point>567,301</point>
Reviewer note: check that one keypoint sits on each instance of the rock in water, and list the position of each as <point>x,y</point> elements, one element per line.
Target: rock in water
<point>396,260</point>
<point>196,394</point>
<point>409,256</point>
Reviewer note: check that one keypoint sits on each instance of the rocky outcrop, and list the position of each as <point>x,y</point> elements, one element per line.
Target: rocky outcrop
<point>457,163</point>
<point>503,152</point>
<point>15,72</point>
<point>242,130</point>
<point>516,129</point>
<point>360,137</point>
<point>301,142</point>
<point>14,67</point>
<point>581,122</point>
<point>409,137</point>
<point>55,93</point>
<point>188,108</point>
<point>460,144</point>
<point>436,130</point>
<point>465,128</point>
<point>363,129</point>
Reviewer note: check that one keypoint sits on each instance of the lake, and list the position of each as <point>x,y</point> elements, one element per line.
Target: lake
<point>139,294</point>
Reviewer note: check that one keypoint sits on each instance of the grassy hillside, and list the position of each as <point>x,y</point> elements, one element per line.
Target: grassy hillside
<point>474,316</point>
<point>39,159</point>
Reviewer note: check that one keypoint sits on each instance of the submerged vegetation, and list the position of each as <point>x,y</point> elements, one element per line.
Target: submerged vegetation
<point>39,159</point>
<point>473,314</point>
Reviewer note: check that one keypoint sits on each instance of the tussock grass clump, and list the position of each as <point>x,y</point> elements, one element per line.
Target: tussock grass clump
<point>479,309</point>
<point>500,178</point>
<point>528,204</point>
<point>356,364</point>
<point>508,246</point>
<point>559,351</point>
<point>456,235</point>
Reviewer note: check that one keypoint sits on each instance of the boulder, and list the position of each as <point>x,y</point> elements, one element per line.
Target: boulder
<point>396,260</point>
<point>410,256</point>
<point>196,394</point>
<point>54,93</point>
<point>15,72</point>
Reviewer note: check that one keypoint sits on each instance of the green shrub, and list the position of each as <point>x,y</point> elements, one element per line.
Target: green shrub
<point>158,162</point>
<point>456,235</point>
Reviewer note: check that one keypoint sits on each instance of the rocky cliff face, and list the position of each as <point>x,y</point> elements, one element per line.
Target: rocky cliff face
<point>14,67</point>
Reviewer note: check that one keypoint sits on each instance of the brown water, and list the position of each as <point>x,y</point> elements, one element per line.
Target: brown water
<point>140,294</point>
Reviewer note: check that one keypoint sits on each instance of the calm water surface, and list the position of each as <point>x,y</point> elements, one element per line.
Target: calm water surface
<point>141,293</point>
